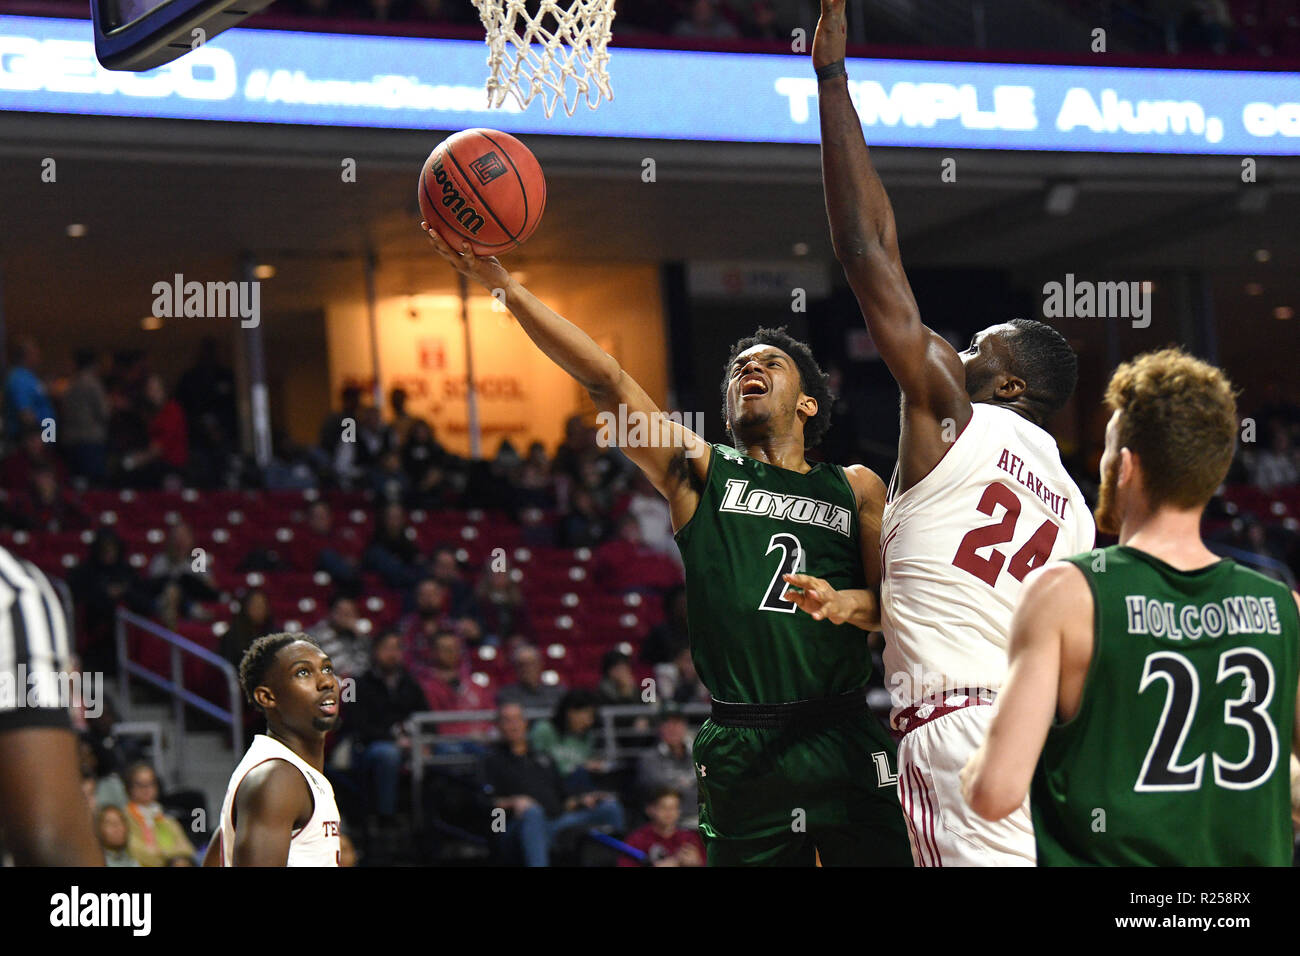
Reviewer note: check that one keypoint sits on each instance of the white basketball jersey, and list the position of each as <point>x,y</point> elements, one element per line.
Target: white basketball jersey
<point>317,843</point>
<point>956,546</point>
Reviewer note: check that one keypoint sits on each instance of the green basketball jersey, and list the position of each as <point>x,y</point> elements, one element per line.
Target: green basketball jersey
<point>1180,752</point>
<point>754,523</point>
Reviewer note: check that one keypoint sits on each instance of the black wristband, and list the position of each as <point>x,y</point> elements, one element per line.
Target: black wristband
<point>831,70</point>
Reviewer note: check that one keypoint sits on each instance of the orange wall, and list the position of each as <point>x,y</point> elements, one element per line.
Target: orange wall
<point>522,395</point>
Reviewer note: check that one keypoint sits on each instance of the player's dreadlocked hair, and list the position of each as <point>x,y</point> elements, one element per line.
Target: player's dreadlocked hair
<point>257,660</point>
<point>1041,356</point>
<point>813,382</point>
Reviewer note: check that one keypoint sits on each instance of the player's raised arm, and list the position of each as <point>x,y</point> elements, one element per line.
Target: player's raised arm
<point>865,239</point>
<point>271,800</point>
<point>676,461</point>
<point>1056,599</point>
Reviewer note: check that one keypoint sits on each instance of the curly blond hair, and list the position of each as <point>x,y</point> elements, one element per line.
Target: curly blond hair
<point>1178,414</point>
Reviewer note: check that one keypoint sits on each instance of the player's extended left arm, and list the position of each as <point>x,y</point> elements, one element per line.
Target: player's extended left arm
<point>996,778</point>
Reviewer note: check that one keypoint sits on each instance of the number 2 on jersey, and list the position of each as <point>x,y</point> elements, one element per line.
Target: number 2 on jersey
<point>1035,552</point>
<point>792,562</point>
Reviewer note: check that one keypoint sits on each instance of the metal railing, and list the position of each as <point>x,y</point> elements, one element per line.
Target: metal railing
<point>174,687</point>
<point>617,725</point>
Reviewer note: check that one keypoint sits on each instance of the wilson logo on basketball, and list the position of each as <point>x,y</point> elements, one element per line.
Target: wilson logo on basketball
<point>465,214</point>
<point>487,167</point>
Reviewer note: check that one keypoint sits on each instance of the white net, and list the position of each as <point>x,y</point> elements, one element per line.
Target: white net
<point>556,50</point>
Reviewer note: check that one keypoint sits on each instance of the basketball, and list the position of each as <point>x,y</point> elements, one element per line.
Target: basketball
<point>485,187</point>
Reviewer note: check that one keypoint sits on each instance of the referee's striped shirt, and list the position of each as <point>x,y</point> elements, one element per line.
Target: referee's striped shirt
<point>33,648</point>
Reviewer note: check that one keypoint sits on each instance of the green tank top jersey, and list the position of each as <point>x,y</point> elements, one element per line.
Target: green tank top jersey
<point>1180,752</point>
<point>755,523</point>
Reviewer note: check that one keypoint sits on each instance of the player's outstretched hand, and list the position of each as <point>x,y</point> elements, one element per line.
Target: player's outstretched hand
<point>832,34</point>
<point>819,599</point>
<point>488,272</point>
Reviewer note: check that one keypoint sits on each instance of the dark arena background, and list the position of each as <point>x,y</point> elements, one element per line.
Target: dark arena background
<point>242,395</point>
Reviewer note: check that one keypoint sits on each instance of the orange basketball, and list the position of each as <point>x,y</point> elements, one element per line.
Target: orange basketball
<point>485,187</point>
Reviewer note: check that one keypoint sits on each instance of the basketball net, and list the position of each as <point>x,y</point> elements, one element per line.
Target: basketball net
<point>561,60</point>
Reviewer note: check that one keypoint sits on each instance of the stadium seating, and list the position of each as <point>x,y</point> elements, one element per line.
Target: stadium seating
<point>567,614</point>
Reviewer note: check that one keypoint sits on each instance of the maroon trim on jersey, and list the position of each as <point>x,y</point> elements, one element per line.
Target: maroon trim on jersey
<point>922,829</point>
<point>908,719</point>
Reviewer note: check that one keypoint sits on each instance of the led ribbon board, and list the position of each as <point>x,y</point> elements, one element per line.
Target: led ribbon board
<point>264,76</point>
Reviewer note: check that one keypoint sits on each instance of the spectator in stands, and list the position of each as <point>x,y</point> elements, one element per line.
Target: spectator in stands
<point>579,443</point>
<point>569,739</point>
<point>618,684</point>
<point>108,787</point>
<point>26,400</point>
<point>251,622</point>
<point>318,545</point>
<point>85,419</point>
<point>670,763</point>
<point>498,603</point>
<point>536,455</point>
<point>599,474</point>
<point>650,509</point>
<point>532,483</point>
<point>387,695</point>
<point>430,617</point>
<point>47,507</point>
<point>32,453</point>
<point>529,690</point>
<point>428,465</point>
<point>166,452</point>
<point>403,421</point>
<point>584,526</point>
<point>446,571</point>
<point>449,685</point>
<point>338,439</point>
<point>618,687</point>
<point>528,786</point>
<point>706,22</point>
<point>206,393</point>
<point>111,826</point>
<point>661,644</point>
<point>663,840</point>
<point>392,552</point>
<point>100,584</point>
<point>179,578</point>
<point>677,679</point>
<point>153,835</point>
<point>1278,465</point>
<point>340,637</point>
<point>374,438</point>
<point>388,479</point>
<point>625,564</point>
